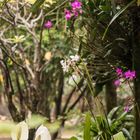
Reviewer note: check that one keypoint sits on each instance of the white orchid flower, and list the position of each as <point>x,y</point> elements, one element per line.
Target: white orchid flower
<point>42,133</point>
<point>65,66</point>
<point>20,132</point>
<point>75,58</point>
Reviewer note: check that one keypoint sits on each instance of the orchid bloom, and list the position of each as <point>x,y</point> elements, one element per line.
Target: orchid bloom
<point>76,5</point>
<point>65,66</point>
<point>76,8</point>
<point>127,108</point>
<point>130,74</point>
<point>68,14</point>
<point>119,71</point>
<point>75,58</point>
<point>117,82</point>
<point>48,24</point>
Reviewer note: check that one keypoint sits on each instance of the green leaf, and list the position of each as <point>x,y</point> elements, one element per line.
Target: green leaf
<point>35,121</point>
<point>37,5</point>
<point>118,136</point>
<point>126,133</point>
<point>73,138</point>
<point>116,16</point>
<point>113,112</point>
<point>105,8</point>
<point>87,135</point>
<point>130,118</point>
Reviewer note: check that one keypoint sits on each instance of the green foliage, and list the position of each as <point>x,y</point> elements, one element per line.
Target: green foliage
<point>87,126</point>
<point>35,121</point>
<point>38,83</point>
<point>116,124</point>
<point>119,136</point>
<point>7,127</point>
<point>117,15</point>
<point>73,138</point>
<point>37,5</point>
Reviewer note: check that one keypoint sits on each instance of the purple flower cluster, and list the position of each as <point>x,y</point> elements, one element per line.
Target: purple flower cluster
<point>76,5</point>
<point>127,108</point>
<point>68,14</point>
<point>76,9</point>
<point>117,82</point>
<point>48,24</point>
<point>119,72</point>
<point>129,75</point>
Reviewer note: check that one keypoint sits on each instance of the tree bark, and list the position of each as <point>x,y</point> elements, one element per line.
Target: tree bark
<point>111,96</point>
<point>31,134</point>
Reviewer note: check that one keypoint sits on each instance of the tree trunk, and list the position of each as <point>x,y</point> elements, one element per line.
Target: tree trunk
<point>31,134</point>
<point>111,95</point>
<point>136,64</point>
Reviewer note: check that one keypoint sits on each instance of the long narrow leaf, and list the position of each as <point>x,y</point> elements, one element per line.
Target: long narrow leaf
<point>116,16</point>
<point>87,127</point>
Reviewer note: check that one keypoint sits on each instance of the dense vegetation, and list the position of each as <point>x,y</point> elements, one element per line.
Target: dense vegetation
<point>58,54</point>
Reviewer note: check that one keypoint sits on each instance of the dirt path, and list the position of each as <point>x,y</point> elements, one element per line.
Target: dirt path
<point>5,139</point>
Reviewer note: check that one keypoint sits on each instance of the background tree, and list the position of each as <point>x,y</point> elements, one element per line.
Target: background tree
<point>30,61</point>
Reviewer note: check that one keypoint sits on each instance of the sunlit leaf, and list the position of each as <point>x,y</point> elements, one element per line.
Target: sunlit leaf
<point>17,39</point>
<point>48,55</point>
<point>53,127</point>
<point>50,1</point>
<point>118,136</point>
<point>87,127</point>
<point>9,61</point>
<point>73,138</point>
<point>35,121</point>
